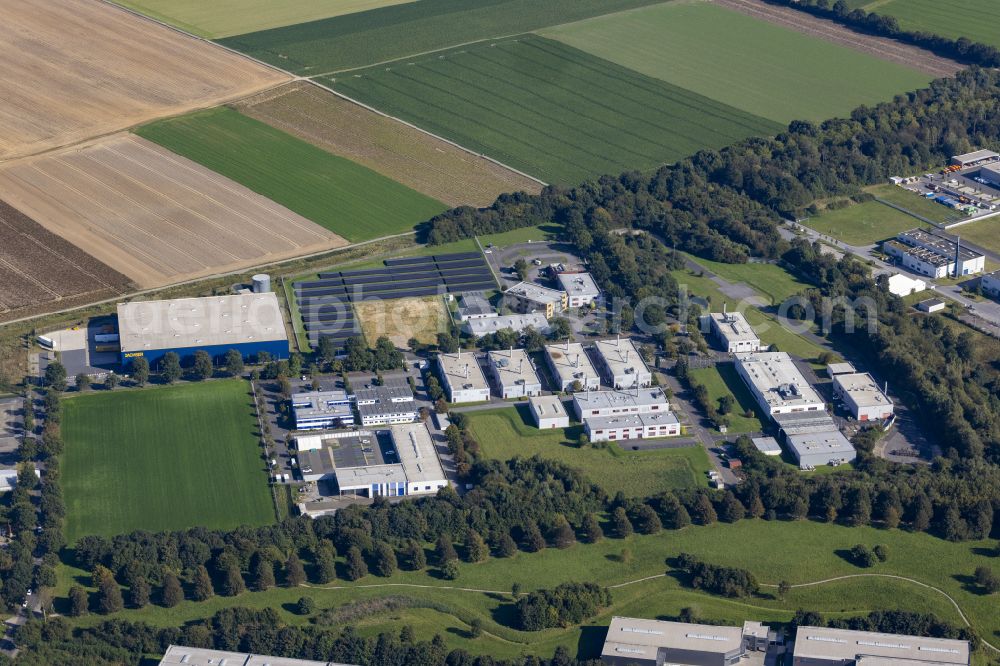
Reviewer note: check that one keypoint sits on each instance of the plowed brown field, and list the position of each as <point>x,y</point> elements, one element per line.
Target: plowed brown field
<point>156,217</point>
<point>426,164</point>
<point>76,69</point>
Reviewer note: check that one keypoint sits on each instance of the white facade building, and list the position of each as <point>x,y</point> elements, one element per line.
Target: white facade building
<point>931,305</point>
<point>594,404</point>
<point>549,412</point>
<point>777,384</point>
<point>517,323</point>
<point>990,284</point>
<point>514,373</point>
<point>570,364</point>
<point>419,459</point>
<point>526,297</point>
<point>385,405</point>
<point>901,285</point>
<point>195,656</point>
<point>631,426</point>
<point>621,363</point>
<point>315,410</point>
<point>823,646</point>
<point>934,256</point>
<point>638,642</point>
<point>580,288</point>
<point>463,378</point>
<point>863,397</point>
<point>734,332</point>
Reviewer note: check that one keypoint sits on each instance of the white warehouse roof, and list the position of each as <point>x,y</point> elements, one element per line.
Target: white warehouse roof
<point>193,656</point>
<point>462,371</point>
<point>571,362</point>
<point>844,644</point>
<point>416,453</point>
<point>862,388</point>
<point>777,380</point>
<point>516,323</point>
<point>579,285</point>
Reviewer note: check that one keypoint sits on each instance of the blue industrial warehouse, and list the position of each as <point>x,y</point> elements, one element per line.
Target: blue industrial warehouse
<point>250,323</point>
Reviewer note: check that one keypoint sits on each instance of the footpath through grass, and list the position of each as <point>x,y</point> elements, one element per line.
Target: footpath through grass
<point>506,433</point>
<point>346,198</point>
<point>163,459</point>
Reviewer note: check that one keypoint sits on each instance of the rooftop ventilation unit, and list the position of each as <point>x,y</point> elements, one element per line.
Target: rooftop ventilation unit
<point>638,630</point>
<point>707,637</point>
<point>825,639</point>
<point>936,649</point>
<point>897,646</point>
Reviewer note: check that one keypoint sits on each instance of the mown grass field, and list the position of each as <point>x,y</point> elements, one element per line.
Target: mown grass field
<point>915,204</point>
<point>759,67</point>
<point>862,224</point>
<point>346,198</point>
<point>222,18</point>
<point>550,110</point>
<point>976,20</point>
<point>721,380</point>
<point>367,38</point>
<point>506,433</point>
<point>772,280</point>
<point>163,459</point>
<point>797,552</point>
<point>985,233</point>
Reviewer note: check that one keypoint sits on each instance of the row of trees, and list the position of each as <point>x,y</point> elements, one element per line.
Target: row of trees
<point>724,581</point>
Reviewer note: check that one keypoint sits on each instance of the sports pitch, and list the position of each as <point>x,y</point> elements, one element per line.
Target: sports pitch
<point>550,110</point>
<point>163,459</point>
<point>761,68</point>
<point>976,20</point>
<point>346,198</point>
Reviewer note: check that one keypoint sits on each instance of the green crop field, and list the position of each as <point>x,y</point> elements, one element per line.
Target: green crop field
<point>367,38</point>
<point>550,110</point>
<point>862,224</point>
<point>346,198</point>
<point>798,552</point>
<point>222,18</point>
<point>762,68</point>
<point>508,432</point>
<point>973,19</point>
<point>722,380</point>
<point>163,459</point>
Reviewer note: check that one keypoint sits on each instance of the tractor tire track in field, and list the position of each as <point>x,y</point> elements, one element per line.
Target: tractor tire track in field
<point>880,47</point>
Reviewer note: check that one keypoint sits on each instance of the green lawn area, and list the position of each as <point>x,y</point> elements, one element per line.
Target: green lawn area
<point>536,234</point>
<point>367,38</point>
<point>976,20</point>
<point>222,18</point>
<point>722,380</point>
<point>550,110</point>
<point>985,233</point>
<point>346,198</point>
<point>797,552</point>
<point>772,280</point>
<point>915,204</point>
<point>507,433</point>
<point>163,459</point>
<point>862,224</point>
<point>761,68</point>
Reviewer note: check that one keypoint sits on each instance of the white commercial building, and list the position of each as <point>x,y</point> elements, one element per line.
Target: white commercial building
<point>734,332</point>
<point>842,368</point>
<point>822,447</point>
<point>621,364</point>
<point>931,305</point>
<point>767,445</point>
<point>316,410</point>
<point>639,642</point>
<point>463,378</point>
<point>474,306</point>
<point>990,284</point>
<point>901,285</point>
<point>631,426</point>
<point>591,404</point>
<point>570,364</point>
<point>973,158</point>
<point>517,323</point>
<point>194,656</point>
<point>934,256</point>
<point>385,405</point>
<point>580,288</point>
<point>862,396</point>
<point>528,297</point>
<point>549,412</point>
<point>514,373</point>
<point>418,457</point>
<point>777,384</point>
<point>822,646</point>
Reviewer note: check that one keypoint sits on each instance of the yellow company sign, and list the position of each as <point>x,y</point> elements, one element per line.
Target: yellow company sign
<point>133,354</point>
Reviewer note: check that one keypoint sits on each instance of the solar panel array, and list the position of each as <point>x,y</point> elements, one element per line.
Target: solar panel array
<point>325,304</point>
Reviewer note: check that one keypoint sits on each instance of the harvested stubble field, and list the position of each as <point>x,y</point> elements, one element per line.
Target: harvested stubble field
<point>156,217</point>
<point>550,110</point>
<point>75,69</point>
<point>38,269</point>
<point>401,319</point>
<point>415,159</point>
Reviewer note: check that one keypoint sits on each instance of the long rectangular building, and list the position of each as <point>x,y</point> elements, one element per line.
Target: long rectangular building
<point>932,255</point>
<point>862,396</point>
<point>514,373</point>
<point>777,384</point>
<point>463,379</point>
<point>322,409</point>
<point>516,322</point>
<point>593,404</point>
<point>249,323</point>
<point>822,646</point>
<point>631,426</point>
<point>416,453</point>
<point>571,365</point>
<point>194,656</point>
<point>621,364</point>
<point>638,642</point>
<point>385,405</point>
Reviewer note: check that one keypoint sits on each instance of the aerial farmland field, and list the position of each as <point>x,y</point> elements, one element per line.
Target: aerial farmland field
<point>415,159</point>
<point>85,69</point>
<point>163,459</point>
<point>977,20</point>
<point>753,65</point>
<point>346,198</point>
<point>156,217</point>
<point>222,18</point>
<point>550,110</point>
<point>367,38</point>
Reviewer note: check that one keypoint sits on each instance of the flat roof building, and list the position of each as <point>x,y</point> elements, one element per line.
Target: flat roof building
<point>991,174</point>
<point>823,646</point>
<point>514,373</point>
<point>733,332</point>
<point>419,459</point>
<point>570,364</point>
<point>631,426</point>
<point>474,306</point>
<point>919,260</point>
<point>548,412</point>
<point>973,158</point>
<point>901,285</point>
<point>621,363</point>
<point>815,449</point>
<point>777,384</point>
<point>193,656</point>
<point>843,368</point>
<point>463,378</point>
<point>990,284</point>
<point>958,259</point>
<point>249,323</point>
<point>767,445</point>
<point>372,480</point>
<point>385,405</point>
<point>580,288</point>
<point>517,323</point>
<point>591,404</point>
<point>640,642</point>
<point>528,297</point>
<point>931,305</point>
<point>315,410</point>
<point>862,396</point>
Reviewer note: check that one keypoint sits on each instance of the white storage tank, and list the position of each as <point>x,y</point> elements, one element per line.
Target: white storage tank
<point>261,283</point>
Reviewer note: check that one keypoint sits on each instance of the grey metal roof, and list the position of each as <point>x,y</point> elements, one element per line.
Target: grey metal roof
<point>844,644</point>
<point>192,656</point>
